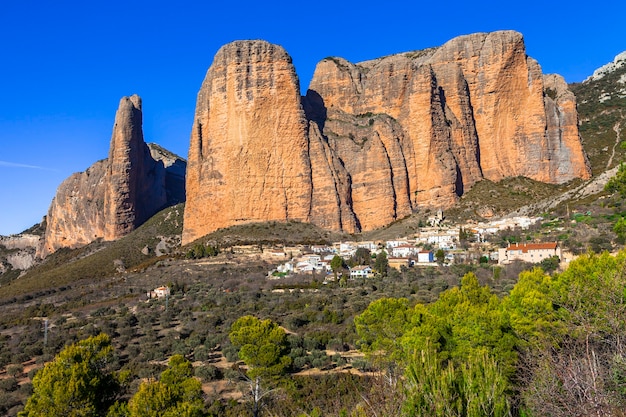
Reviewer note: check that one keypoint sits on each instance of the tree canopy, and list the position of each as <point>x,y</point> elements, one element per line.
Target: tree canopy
<point>176,393</point>
<point>262,346</point>
<point>78,382</point>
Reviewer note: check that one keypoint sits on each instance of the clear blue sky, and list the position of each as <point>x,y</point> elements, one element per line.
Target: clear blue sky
<point>65,64</point>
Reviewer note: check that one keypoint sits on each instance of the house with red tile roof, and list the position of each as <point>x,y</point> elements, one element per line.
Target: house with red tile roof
<point>528,252</point>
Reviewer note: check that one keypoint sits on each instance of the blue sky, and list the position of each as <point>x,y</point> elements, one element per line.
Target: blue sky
<point>65,64</point>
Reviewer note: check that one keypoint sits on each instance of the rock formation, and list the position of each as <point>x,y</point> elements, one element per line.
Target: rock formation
<point>372,142</point>
<point>248,158</point>
<point>116,195</point>
<point>17,252</point>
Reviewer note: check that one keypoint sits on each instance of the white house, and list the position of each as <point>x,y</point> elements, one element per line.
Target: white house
<point>442,240</point>
<point>361,271</point>
<point>425,256</point>
<point>322,249</point>
<point>395,243</point>
<point>347,249</point>
<point>159,292</point>
<point>287,267</point>
<point>369,245</point>
<point>404,251</point>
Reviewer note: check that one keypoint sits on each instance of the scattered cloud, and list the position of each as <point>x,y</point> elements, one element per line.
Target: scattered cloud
<point>14,165</point>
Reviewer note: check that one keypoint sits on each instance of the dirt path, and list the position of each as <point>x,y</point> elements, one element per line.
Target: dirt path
<point>618,131</point>
<point>593,186</point>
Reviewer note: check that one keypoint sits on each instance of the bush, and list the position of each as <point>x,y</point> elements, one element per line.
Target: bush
<point>362,365</point>
<point>208,373</point>
<point>15,369</point>
<point>301,362</point>
<point>9,384</point>
<point>231,353</point>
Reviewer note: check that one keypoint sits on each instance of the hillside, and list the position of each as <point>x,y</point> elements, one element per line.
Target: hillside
<point>602,112</point>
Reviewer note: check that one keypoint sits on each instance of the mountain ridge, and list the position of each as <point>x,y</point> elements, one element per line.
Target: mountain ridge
<point>435,123</point>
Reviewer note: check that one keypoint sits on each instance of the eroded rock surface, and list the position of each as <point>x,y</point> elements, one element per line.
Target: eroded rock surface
<point>116,195</point>
<point>374,141</point>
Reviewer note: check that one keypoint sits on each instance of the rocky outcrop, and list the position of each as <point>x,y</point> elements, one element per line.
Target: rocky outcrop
<point>248,159</point>
<point>17,252</point>
<point>116,195</point>
<point>566,156</point>
<point>473,108</point>
<point>603,71</point>
<point>372,142</point>
<point>135,185</point>
<point>76,214</point>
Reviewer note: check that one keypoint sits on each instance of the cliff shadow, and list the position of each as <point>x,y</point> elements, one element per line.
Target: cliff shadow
<point>175,182</point>
<point>314,108</point>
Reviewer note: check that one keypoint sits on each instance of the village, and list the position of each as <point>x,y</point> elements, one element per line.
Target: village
<point>438,244</point>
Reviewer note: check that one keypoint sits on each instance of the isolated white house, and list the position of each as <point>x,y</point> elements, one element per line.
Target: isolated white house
<point>159,292</point>
<point>361,271</point>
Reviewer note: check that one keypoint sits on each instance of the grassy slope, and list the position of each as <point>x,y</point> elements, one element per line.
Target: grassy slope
<point>598,119</point>
<point>98,259</point>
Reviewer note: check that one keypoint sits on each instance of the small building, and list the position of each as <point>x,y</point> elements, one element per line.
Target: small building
<point>285,268</point>
<point>390,244</point>
<point>361,271</point>
<point>442,240</point>
<point>425,256</point>
<point>347,249</point>
<point>369,245</point>
<point>398,263</point>
<point>159,292</point>
<point>528,252</point>
<point>404,251</point>
<point>322,249</point>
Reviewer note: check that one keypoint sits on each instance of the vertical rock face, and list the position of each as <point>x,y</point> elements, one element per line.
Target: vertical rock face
<point>135,186</point>
<point>473,108</point>
<point>566,157</point>
<point>76,214</point>
<point>371,142</point>
<point>116,195</point>
<point>248,158</point>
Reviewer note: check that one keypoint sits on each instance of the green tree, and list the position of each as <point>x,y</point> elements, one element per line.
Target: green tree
<point>336,264</point>
<point>362,256</point>
<point>381,265</point>
<point>618,182</point>
<point>263,347</point>
<point>531,310</point>
<point>474,388</point>
<point>176,393</point>
<point>620,230</point>
<point>550,264</point>
<point>78,382</point>
<point>467,320</point>
<point>582,373</point>
<point>458,353</point>
<point>381,326</point>
<point>440,256</point>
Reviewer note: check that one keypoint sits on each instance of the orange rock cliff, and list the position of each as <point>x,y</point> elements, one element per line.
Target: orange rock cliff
<point>371,142</point>
<point>116,195</point>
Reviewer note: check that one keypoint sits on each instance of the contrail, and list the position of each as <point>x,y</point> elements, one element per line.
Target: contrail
<point>14,165</point>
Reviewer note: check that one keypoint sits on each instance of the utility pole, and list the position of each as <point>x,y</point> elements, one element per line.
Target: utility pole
<point>45,332</point>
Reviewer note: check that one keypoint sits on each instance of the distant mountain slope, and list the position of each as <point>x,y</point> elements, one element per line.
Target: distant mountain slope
<point>99,259</point>
<point>602,112</point>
